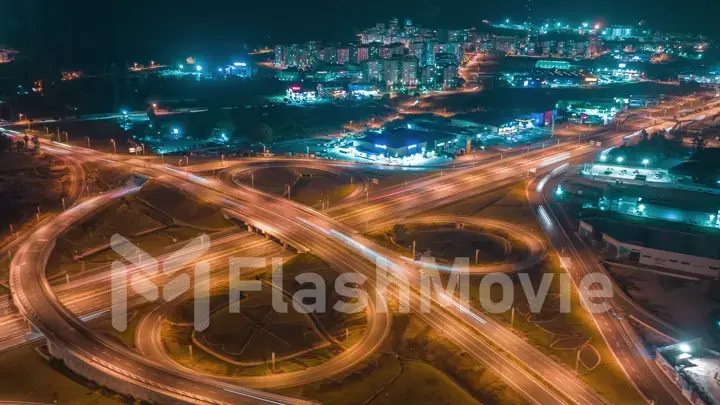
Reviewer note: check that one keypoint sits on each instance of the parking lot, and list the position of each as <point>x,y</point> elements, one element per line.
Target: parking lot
<point>629,173</point>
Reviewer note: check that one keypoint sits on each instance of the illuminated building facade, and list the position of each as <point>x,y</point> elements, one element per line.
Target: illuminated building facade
<point>343,55</point>
<point>359,54</point>
<point>374,68</point>
<point>409,71</point>
<point>391,72</point>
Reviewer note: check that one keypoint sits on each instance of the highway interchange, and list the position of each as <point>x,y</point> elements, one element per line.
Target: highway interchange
<point>335,237</point>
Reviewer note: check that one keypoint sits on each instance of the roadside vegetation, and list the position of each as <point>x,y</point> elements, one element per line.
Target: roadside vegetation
<point>560,336</point>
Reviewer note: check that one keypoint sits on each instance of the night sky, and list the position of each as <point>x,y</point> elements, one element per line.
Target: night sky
<point>76,31</point>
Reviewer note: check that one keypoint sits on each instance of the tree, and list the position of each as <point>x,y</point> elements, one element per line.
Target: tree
<point>262,133</point>
<point>644,136</point>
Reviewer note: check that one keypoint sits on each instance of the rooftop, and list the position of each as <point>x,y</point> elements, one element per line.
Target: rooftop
<point>402,137</point>
<point>660,235</point>
<point>673,198</point>
<point>493,118</point>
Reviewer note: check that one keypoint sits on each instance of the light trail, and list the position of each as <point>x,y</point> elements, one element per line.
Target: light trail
<point>542,183</point>
<point>270,401</point>
<point>462,308</point>
<point>317,227</point>
<point>555,159</point>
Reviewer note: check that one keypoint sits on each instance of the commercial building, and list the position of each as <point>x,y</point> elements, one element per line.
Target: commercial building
<point>551,78</point>
<point>604,110</point>
<point>500,123</point>
<point>638,242</point>
<point>401,143</point>
<point>362,90</point>
<point>331,91</point>
<point>552,64</point>
<point>238,69</point>
<point>299,93</point>
<point>491,123</point>
<point>616,32</point>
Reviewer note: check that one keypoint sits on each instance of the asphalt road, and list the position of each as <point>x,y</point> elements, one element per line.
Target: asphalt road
<point>337,244</point>
<point>580,262</point>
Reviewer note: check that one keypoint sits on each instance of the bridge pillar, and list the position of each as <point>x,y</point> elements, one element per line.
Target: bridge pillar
<point>250,228</point>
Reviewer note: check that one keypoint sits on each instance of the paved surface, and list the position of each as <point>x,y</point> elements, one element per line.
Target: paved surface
<point>337,244</point>
<point>536,247</point>
<point>579,262</point>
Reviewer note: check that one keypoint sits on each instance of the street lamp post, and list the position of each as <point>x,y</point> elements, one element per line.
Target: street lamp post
<point>88,141</point>
<point>114,148</point>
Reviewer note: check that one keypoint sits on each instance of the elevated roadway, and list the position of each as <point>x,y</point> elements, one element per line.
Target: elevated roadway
<point>335,243</point>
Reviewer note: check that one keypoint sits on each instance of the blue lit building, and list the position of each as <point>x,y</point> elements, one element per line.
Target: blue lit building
<point>401,143</point>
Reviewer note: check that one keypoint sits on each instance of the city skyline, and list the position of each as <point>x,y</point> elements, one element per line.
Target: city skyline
<point>117,31</point>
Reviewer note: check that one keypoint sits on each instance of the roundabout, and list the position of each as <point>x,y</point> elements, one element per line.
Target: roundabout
<point>257,341</point>
<point>505,247</point>
<point>315,185</point>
